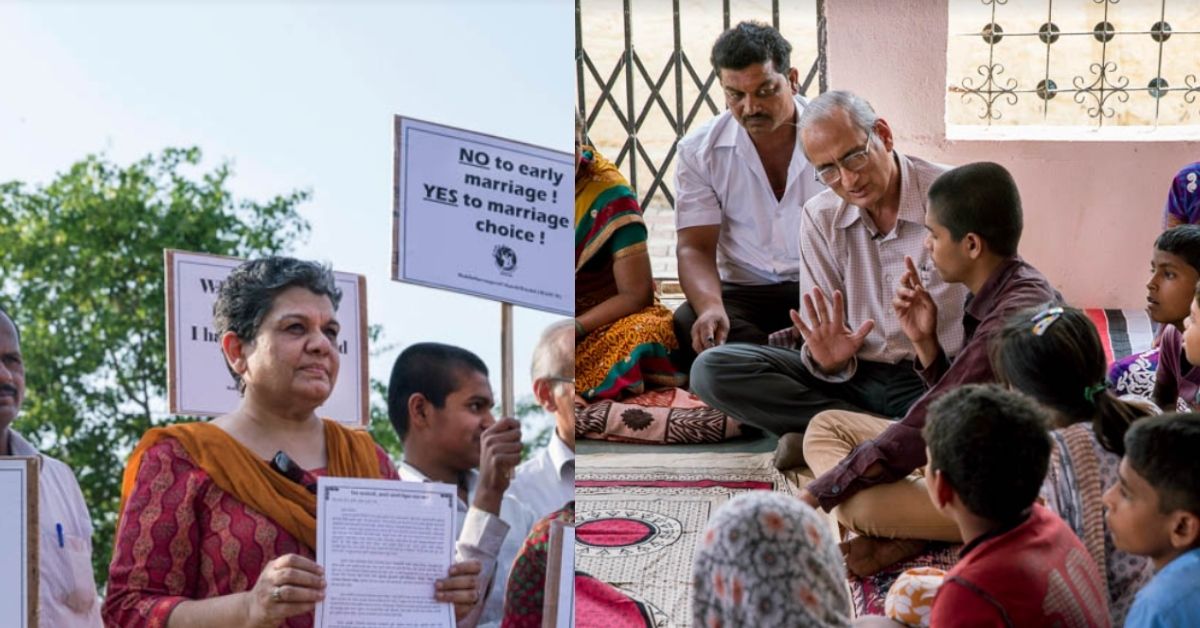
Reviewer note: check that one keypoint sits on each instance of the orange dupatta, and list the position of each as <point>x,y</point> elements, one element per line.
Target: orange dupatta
<point>237,471</point>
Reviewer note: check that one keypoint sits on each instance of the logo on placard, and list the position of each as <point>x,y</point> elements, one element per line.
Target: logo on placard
<point>505,258</point>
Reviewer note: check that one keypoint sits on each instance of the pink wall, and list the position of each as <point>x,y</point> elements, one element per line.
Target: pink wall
<point>1092,209</point>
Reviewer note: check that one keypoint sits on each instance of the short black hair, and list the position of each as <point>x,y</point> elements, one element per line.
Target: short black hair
<point>749,43</point>
<point>1163,449</point>
<point>1182,241</point>
<point>429,368</point>
<point>991,445</point>
<point>979,198</point>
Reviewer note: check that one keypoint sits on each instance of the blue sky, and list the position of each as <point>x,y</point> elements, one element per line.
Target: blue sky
<point>296,95</point>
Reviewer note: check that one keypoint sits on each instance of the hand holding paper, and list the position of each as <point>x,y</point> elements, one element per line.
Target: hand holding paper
<point>289,585</point>
<point>461,588</point>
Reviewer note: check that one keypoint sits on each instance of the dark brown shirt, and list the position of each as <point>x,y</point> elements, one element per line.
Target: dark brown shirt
<point>1015,285</point>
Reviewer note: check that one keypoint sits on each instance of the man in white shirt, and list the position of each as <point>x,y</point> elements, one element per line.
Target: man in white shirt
<point>440,403</point>
<point>856,237</point>
<point>740,182</point>
<point>67,589</point>
<point>546,481</point>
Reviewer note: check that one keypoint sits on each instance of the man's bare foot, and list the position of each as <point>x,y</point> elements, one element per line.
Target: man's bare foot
<point>868,555</point>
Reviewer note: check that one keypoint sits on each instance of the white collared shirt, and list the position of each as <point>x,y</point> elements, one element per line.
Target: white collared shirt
<point>493,541</point>
<point>67,592</point>
<point>546,481</point>
<point>720,180</point>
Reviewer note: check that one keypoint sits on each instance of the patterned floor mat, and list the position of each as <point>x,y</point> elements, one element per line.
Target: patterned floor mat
<point>638,519</point>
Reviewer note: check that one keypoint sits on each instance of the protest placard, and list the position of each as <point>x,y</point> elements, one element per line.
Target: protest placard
<point>19,542</point>
<point>484,216</point>
<point>198,380</point>
<point>558,606</point>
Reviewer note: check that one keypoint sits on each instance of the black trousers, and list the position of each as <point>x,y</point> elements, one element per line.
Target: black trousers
<point>754,312</point>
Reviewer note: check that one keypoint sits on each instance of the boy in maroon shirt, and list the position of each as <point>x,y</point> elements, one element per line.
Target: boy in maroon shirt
<point>1021,566</point>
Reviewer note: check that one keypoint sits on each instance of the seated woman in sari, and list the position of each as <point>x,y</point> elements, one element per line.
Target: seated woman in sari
<point>526,591</point>
<point>1054,355</point>
<point>217,522</point>
<point>622,335</point>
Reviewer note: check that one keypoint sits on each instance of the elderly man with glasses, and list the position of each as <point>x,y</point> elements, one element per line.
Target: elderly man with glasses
<point>855,235</point>
<point>546,481</point>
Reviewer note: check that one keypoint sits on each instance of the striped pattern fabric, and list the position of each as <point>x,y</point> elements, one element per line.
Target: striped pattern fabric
<point>1123,332</point>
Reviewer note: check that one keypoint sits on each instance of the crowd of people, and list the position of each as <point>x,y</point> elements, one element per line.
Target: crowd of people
<point>217,524</point>
<point>867,306</point>
<point>871,308</point>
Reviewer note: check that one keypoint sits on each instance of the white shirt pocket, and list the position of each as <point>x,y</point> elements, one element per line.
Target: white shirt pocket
<point>67,571</point>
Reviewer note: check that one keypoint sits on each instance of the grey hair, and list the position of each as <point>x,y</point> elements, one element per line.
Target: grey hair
<point>248,293</point>
<point>554,355</point>
<point>824,106</point>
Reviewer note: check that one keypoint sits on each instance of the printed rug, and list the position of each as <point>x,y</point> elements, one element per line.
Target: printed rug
<point>638,518</point>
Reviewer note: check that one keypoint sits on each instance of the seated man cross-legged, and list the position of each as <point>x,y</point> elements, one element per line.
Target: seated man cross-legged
<point>740,182</point>
<point>855,238</point>
<point>863,463</point>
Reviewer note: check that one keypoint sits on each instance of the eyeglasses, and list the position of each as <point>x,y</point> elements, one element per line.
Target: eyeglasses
<point>558,379</point>
<point>853,162</point>
<point>1044,319</point>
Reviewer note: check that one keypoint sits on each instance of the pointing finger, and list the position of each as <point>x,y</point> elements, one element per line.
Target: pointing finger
<point>912,268</point>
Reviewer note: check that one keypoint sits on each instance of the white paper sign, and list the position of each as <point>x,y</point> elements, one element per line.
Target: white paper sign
<point>484,216</point>
<point>199,382</point>
<point>18,542</point>
<point>383,544</point>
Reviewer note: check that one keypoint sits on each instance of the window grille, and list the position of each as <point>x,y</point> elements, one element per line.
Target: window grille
<point>1094,63</point>
<point>660,82</point>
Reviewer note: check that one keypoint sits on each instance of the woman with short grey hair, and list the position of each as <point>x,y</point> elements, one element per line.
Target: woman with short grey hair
<point>218,519</point>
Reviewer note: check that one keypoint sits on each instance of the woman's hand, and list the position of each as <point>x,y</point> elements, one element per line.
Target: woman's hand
<point>288,586</point>
<point>461,588</point>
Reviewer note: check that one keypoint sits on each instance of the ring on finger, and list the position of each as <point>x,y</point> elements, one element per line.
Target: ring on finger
<point>277,594</point>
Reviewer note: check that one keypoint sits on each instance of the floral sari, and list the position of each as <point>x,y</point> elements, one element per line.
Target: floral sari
<point>630,354</point>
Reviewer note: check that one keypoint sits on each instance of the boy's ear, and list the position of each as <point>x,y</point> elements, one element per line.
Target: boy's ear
<point>1185,533</point>
<point>418,411</point>
<point>943,493</point>
<point>973,245</point>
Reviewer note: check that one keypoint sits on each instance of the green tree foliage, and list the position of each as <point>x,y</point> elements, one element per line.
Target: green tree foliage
<point>81,270</point>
